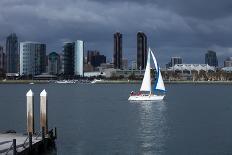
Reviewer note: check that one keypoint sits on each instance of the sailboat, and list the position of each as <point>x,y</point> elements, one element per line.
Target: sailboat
<point>146,93</point>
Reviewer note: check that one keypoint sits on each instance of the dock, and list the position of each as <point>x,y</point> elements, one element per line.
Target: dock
<point>30,143</point>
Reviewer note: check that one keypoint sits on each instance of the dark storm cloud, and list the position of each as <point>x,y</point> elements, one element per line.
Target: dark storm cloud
<point>208,9</point>
<point>174,27</point>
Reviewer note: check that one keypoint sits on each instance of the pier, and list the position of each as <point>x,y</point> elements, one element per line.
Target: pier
<point>12,143</point>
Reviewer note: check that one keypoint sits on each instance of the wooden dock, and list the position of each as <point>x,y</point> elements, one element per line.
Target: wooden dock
<point>24,145</point>
<point>31,143</point>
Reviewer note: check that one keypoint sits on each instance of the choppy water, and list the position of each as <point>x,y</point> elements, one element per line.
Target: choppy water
<point>98,119</point>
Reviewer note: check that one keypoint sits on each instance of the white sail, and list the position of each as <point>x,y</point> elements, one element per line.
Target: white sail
<point>146,85</point>
<point>160,83</point>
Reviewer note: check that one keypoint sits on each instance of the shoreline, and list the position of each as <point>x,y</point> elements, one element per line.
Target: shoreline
<point>115,82</point>
<point>165,82</point>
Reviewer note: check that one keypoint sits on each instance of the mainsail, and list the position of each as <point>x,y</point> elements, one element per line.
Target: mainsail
<point>159,83</point>
<point>146,85</point>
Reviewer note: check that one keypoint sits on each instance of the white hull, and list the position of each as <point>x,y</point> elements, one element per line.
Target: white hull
<point>96,81</point>
<point>65,82</point>
<point>146,98</point>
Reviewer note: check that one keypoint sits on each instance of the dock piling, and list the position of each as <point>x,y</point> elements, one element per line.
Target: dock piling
<point>30,111</point>
<point>43,134</point>
<point>14,147</point>
<point>44,111</point>
<point>30,141</point>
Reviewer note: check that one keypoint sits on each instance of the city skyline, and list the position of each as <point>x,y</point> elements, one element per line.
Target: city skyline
<point>172,27</point>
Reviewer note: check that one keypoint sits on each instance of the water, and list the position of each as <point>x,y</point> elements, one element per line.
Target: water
<point>98,119</point>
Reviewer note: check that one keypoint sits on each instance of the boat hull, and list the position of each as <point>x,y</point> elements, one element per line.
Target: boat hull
<point>146,98</point>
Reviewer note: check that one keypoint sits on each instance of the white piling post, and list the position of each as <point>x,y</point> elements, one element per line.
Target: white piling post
<point>30,112</point>
<point>44,111</point>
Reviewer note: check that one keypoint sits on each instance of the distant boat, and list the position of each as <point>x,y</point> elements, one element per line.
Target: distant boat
<point>146,93</point>
<point>96,81</point>
<point>31,83</point>
<point>65,82</point>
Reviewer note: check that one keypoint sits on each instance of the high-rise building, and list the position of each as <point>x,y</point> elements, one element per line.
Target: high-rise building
<point>2,60</point>
<point>90,54</point>
<point>117,59</point>
<point>79,58</point>
<point>211,58</point>
<point>95,59</point>
<point>176,60</point>
<point>61,56</point>
<point>74,58</point>
<point>125,64</point>
<point>12,55</point>
<point>68,59</point>
<point>53,63</point>
<point>228,62</point>
<point>32,58</point>
<point>141,50</point>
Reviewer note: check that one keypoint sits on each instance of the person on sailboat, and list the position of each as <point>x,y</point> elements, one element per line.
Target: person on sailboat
<point>132,93</point>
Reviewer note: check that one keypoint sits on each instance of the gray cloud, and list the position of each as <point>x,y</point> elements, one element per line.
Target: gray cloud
<point>174,27</point>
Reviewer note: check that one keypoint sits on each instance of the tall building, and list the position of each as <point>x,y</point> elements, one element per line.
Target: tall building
<point>95,59</point>
<point>124,64</point>
<point>79,58</point>
<point>12,55</point>
<point>141,50</point>
<point>53,63</point>
<point>211,58</point>
<point>32,58</point>
<point>117,59</point>
<point>176,60</point>
<point>61,59</point>
<point>74,58</point>
<point>68,59</point>
<point>2,60</point>
<point>228,62</point>
<point>90,54</point>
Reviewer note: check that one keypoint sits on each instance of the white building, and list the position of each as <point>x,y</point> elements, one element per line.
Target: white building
<point>79,58</point>
<point>192,67</point>
<point>32,58</point>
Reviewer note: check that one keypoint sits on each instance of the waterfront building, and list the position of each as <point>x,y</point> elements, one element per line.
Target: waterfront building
<point>53,63</point>
<point>79,58</point>
<point>189,68</point>
<point>124,64</point>
<point>90,54</point>
<point>107,65</point>
<point>2,60</point>
<point>74,58</point>
<point>117,58</point>
<point>227,69</point>
<point>134,65</point>
<point>211,58</point>
<point>95,59</point>
<point>12,56</point>
<point>88,68</point>
<point>32,58</point>
<point>61,56</point>
<point>68,59</point>
<point>141,50</point>
<point>228,62</point>
<point>174,61</point>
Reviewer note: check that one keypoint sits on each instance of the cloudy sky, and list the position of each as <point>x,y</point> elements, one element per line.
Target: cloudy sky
<point>186,28</point>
